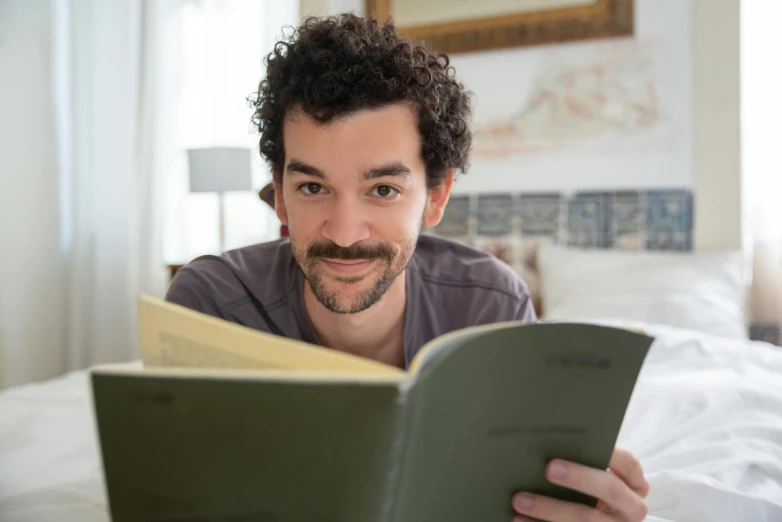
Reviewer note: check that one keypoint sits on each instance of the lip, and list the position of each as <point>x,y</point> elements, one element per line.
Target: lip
<point>349,267</point>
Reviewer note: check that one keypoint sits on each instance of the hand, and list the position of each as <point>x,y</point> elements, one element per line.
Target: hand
<point>620,491</point>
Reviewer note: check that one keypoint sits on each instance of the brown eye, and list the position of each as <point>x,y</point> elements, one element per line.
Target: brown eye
<point>311,189</point>
<point>384,191</point>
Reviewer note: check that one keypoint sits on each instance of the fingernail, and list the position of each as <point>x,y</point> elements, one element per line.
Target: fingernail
<point>558,469</point>
<point>525,501</point>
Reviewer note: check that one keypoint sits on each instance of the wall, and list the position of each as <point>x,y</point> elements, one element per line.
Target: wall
<point>313,8</point>
<point>32,292</point>
<point>330,7</point>
<point>608,115</point>
<point>720,218</point>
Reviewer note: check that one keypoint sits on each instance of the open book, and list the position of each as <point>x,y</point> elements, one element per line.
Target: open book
<point>225,423</point>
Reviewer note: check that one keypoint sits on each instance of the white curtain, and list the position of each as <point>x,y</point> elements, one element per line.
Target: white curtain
<point>223,45</point>
<point>108,96</point>
<point>32,290</point>
<point>761,116</point>
<point>82,154</point>
<point>120,75</point>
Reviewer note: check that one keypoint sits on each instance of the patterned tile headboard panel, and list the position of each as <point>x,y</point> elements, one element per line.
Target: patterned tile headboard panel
<point>512,226</point>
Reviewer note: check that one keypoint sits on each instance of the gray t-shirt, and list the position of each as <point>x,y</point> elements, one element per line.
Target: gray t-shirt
<point>449,286</point>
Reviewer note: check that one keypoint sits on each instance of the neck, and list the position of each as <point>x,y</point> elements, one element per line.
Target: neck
<point>376,333</point>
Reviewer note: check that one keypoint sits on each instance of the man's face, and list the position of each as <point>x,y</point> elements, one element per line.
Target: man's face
<point>354,196</point>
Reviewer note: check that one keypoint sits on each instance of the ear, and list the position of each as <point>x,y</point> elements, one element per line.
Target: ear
<point>279,202</point>
<point>437,199</point>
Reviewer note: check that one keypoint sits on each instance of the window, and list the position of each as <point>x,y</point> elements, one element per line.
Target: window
<point>223,44</point>
<point>761,116</point>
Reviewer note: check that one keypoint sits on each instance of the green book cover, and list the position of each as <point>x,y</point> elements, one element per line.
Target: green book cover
<point>475,420</point>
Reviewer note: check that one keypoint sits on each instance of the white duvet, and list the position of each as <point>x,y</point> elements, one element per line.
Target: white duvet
<point>705,420</point>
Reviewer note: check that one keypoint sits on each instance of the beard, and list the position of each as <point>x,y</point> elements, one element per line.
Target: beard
<point>392,262</point>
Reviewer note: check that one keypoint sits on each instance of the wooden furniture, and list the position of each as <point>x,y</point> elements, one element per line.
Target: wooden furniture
<point>485,25</point>
<point>172,270</point>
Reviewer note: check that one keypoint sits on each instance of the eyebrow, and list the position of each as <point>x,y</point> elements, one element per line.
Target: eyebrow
<point>390,169</point>
<point>303,168</point>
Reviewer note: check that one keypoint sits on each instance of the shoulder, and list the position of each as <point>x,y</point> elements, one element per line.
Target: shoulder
<point>457,270</point>
<point>217,284</point>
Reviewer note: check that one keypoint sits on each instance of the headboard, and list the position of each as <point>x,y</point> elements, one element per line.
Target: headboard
<point>512,226</point>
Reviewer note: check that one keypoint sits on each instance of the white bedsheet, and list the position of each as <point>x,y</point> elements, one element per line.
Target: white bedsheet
<point>705,420</point>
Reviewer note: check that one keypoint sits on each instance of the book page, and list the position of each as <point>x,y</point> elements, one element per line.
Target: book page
<point>175,336</point>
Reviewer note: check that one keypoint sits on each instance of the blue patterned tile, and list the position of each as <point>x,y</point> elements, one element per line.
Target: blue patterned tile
<point>589,220</point>
<point>456,218</point>
<point>768,332</point>
<point>540,214</point>
<point>495,214</point>
<point>669,240</point>
<point>628,219</point>
<point>632,220</point>
<point>669,220</point>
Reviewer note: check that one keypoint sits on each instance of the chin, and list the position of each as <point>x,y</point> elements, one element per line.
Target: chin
<point>347,298</point>
<point>350,298</point>
<point>350,282</point>
<point>343,304</point>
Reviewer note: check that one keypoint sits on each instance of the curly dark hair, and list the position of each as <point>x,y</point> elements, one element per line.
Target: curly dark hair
<point>332,67</point>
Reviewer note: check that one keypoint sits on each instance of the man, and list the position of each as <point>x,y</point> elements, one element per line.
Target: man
<point>363,132</point>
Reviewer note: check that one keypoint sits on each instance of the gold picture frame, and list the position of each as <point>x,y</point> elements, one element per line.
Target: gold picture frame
<point>591,20</point>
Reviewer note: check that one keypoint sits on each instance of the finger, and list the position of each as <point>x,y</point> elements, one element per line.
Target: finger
<point>555,510</point>
<point>628,468</point>
<point>600,484</point>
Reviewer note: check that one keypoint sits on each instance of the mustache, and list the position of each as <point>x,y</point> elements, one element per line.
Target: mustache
<point>330,250</point>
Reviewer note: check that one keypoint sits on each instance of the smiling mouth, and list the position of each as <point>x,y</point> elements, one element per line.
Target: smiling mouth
<point>352,267</point>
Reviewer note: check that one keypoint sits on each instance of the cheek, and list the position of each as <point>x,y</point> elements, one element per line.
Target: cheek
<point>399,222</point>
<point>302,219</point>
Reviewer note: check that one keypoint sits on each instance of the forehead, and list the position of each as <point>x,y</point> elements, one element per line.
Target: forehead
<point>360,140</point>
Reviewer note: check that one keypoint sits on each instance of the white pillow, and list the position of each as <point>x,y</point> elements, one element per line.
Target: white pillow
<point>703,291</point>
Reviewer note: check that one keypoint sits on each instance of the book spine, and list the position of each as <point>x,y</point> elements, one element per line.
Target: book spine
<point>392,509</point>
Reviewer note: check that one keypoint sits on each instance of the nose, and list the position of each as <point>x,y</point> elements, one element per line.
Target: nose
<point>346,223</point>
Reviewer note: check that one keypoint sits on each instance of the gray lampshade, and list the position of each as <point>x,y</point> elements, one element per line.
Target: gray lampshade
<point>220,169</point>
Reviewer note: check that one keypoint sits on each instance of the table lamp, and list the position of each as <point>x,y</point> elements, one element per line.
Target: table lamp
<point>220,170</point>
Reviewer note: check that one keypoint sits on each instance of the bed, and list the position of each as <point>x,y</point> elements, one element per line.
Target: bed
<point>705,418</point>
<point>705,421</point>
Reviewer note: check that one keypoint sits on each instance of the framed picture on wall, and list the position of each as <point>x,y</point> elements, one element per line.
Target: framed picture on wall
<point>458,26</point>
